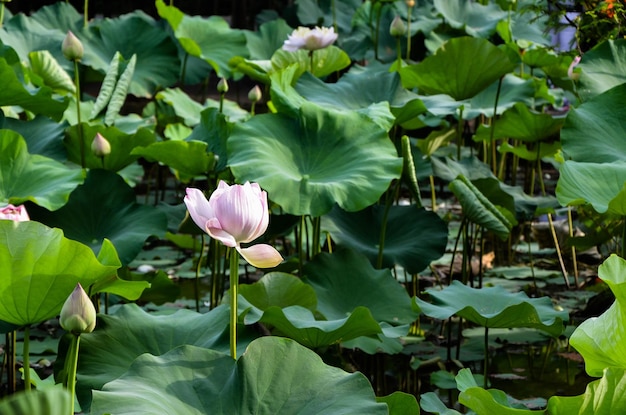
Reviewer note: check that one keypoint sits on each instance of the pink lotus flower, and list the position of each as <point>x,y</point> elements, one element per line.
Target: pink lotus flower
<point>234,215</point>
<point>15,213</point>
<point>310,39</point>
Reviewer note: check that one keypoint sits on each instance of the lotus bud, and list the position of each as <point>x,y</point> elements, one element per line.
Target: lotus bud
<point>72,48</point>
<point>397,28</point>
<point>570,71</point>
<point>78,314</point>
<point>410,3</point>
<point>100,146</point>
<point>222,86</point>
<point>255,94</point>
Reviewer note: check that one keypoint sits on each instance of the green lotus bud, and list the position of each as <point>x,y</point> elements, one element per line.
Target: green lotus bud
<point>100,146</point>
<point>72,48</point>
<point>397,28</point>
<point>78,314</point>
<point>222,86</point>
<point>255,94</point>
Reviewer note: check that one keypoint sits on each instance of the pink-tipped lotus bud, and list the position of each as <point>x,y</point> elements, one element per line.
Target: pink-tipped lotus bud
<point>78,314</point>
<point>397,28</point>
<point>100,146</point>
<point>72,48</point>
<point>255,94</point>
<point>222,86</point>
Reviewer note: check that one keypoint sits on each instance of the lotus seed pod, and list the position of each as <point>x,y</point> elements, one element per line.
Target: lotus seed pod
<point>72,48</point>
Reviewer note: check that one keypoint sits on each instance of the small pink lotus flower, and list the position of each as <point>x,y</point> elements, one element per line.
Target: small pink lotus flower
<point>310,39</point>
<point>14,213</point>
<point>234,215</point>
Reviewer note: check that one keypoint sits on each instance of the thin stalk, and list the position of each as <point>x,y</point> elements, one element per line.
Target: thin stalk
<point>377,32</point>
<point>1,13</point>
<point>26,365</point>
<point>81,141</point>
<point>10,352</point>
<point>493,125</point>
<point>72,359</point>
<point>183,70</point>
<point>459,134</point>
<point>252,108</point>
<point>570,223</point>
<point>86,13</point>
<point>196,286</point>
<point>408,33</point>
<point>399,51</point>
<point>329,243</point>
<point>312,62</point>
<point>234,285</point>
<point>486,366</point>
<point>334,12</point>
<point>433,195</point>
<point>456,245</point>
<point>222,102</point>
<point>624,240</point>
<point>317,233</point>
<point>532,265</point>
<point>383,230</point>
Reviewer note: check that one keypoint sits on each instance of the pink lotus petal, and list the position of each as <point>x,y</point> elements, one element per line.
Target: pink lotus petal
<point>261,256</point>
<point>199,208</point>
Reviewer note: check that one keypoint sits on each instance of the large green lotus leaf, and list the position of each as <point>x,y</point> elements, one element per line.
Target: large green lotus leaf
<point>211,38</point>
<point>344,280</point>
<point>602,68</point>
<point>104,207</point>
<point>40,268</point>
<point>43,135</point>
<point>267,379</point>
<point>122,145</point>
<point>270,37</point>
<point>602,340</point>
<point>15,92</point>
<point>414,236</point>
<point>478,209</point>
<point>494,307</point>
<point>287,100</point>
<point>602,185</point>
<point>594,131</point>
<point>137,33</point>
<point>520,123</point>
<point>275,289</point>
<point>310,163</point>
<point>461,68</point>
<point>187,158</point>
<point>47,401</point>
<point>214,129</point>
<point>602,396</point>
<point>33,177</point>
<point>513,90</point>
<point>476,19</point>
<point>119,338</point>
<point>449,169</point>
<point>326,61</point>
<point>300,324</point>
<point>62,16</point>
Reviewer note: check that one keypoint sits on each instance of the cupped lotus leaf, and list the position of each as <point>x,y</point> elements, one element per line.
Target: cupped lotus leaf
<point>137,33</point>
<point>104,207</point>
<point>188,159</point>
<point>602,340</point>
<point>47,401</point>
<point>594,132</point>
<point>286,99</point>
<point>494,307</point>
<point>461,68</point>
<point>323,62</point>
<point>520,123</point>
<point>210,39</point>
<point>602,185</point>
<point>275,289</point>
<point>414,236</point>
<point>602,396</point>
<point>122,145</point>
<point>270,37</point>
<point>40,268</point>
<point>52,75</point>
<point>267,379</point>
<point>478,209</point>
<point>512,91</point>
<point>300,324</point>
<point>476,19</point>
<point>15,92</point>
<point>120,338</point>
<point>214,129</point>
<point>33,177</point>
<point>310,163</point>
<point>343,281</point>
<point>602,68</point>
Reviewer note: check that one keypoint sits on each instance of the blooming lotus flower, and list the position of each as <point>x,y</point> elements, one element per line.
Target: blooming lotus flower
<point>234,215</point>
<point>310,39</point>
<point>78,314</point>
<point>15,213</point>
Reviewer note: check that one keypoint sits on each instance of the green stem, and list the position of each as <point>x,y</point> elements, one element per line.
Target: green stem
<point>383,230</point>
<point>493,125</point>
<point>222,103</point>
<point>300,244</point>
<point>234,285</point>
<point>26,365</point>
<point>433,194</point>
<point>624,240</point>
<point>10,337</point>
<point>459,134</point>
<point>486,367</point>
<point>312,62</point>
<point>399,49</point>
<point>196,287</point>
<point>183,70</point>
<point>570,222</point>
<point>1,14</point>
<point>81,141</point>
<point>317,233</point>
<point>252,108</point>
<point>408,33</point>
<point>377,32</point>
<point>86,13</point>
<point>334,12</point>
<point>72,359</point>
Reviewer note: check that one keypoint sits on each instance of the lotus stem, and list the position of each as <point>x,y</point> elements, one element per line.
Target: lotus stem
<point>399,50</point>
<point>26,365</point>
<point>196,286</point>
<point>408,33</point>
<point>433,195</point>
<point>312,62</point>
<point>558,250</point>
<point>570,223</point>
<point>10,359</point>
<point>486,366</point>
<point>72,365</point>
<point>377,30</point>
<point>493,126</point>
<point>234,285</point>
<point>183,69</point>
<point>383,230</point>
<point>459,134</point>
<point>221,103</point>
<point>317,233</point>
<point>86,13</point>
<point>81,141</point>
<point>624,239</point>
<point>1,13</point>
<point>334,13</point>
